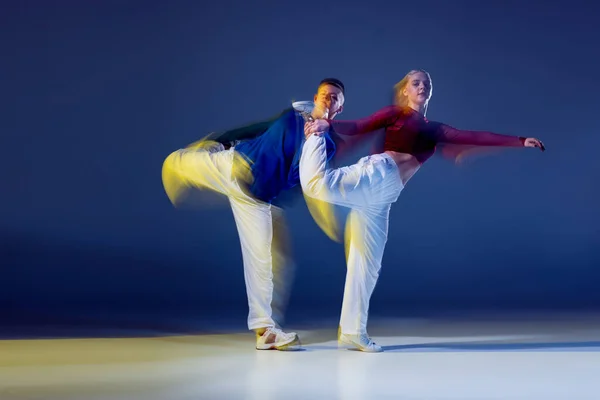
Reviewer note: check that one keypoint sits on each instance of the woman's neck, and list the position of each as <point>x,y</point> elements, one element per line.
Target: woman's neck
<point>420,108</point>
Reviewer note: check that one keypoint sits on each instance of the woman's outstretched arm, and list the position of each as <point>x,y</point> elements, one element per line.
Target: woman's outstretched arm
<point>448,134</point>
<point>381,119</point>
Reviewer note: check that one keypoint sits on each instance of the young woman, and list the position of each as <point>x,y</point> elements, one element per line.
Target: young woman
<point>372,185</point>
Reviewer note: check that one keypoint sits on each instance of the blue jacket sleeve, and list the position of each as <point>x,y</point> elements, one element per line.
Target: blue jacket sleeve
<point>242,133</point>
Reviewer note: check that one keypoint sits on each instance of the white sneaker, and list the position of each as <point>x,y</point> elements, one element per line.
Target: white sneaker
<point>276,339</point>
<point>362,342</point>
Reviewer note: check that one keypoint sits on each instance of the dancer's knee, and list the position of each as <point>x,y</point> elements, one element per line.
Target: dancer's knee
<point>314,187</point>
<point>172,179</point>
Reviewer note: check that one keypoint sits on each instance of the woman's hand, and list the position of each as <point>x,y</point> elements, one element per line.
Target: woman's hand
<point>533,142</point>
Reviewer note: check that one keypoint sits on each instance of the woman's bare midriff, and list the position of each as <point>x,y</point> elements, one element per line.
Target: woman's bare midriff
<point>407,164</point>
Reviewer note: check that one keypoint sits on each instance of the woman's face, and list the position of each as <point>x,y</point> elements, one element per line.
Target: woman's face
<point>418,89</point>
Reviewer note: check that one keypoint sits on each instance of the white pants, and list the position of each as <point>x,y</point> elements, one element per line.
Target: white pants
<point>368,188</point>
<point>261,228</point>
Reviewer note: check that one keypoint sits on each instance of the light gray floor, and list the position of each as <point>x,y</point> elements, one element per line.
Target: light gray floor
<point>525,357</point>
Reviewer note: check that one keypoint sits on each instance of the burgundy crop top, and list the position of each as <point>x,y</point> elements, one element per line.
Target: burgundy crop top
<point>407,131</point>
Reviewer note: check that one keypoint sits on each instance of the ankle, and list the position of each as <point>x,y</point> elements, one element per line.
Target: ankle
<point>262,331</point>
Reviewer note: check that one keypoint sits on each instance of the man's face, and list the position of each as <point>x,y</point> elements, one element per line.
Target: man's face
<point>329,101</point>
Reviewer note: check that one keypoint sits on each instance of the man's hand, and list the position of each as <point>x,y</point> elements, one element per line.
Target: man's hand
<point>317,127</point>
<point>531,142</point>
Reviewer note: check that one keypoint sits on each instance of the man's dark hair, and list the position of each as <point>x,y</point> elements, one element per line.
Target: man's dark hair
<point>334,82</point>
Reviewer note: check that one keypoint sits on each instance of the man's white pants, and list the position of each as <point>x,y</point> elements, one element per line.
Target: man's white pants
<point>369,188</point>
<point>260,225</point>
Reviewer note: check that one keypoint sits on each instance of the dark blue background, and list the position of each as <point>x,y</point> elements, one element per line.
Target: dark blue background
<point>96,94</point>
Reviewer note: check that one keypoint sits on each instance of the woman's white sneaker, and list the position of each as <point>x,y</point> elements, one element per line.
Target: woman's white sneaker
<point>362,342</point>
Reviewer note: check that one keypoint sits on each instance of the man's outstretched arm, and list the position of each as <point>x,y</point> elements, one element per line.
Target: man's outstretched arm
<point>242,133</point>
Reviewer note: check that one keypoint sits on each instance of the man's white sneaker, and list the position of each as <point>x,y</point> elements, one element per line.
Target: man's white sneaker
<point>362,342</point>
<point>276,339</point>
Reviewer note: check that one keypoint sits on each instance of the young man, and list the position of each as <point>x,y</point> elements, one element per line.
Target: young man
<point>261,161</point>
